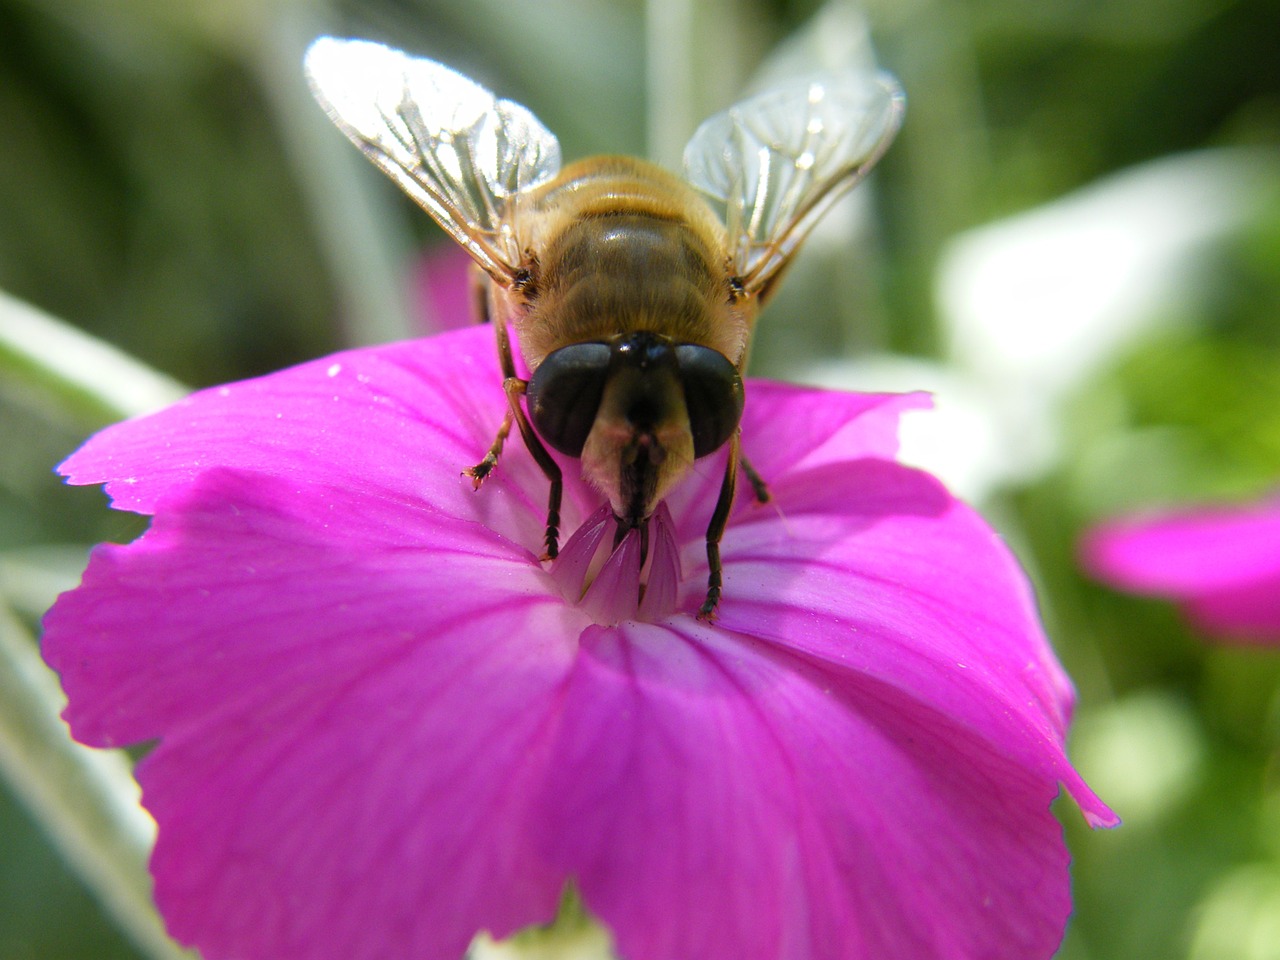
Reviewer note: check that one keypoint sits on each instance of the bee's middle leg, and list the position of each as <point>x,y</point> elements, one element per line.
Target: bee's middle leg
<point>715,531</point>
<point>759,488</point>
<point>515,388</point>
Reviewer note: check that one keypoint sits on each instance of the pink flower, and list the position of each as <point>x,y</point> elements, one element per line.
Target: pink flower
<point>1221,564</point>
<point>380,725</point>
<point>442,288</point>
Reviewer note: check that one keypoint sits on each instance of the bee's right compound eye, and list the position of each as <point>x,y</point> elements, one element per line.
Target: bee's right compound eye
<point>712,395</point>
<point>564,394</point>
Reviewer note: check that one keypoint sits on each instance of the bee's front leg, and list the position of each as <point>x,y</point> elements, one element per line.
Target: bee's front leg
<point>485,466</point>
<point>481,300</point>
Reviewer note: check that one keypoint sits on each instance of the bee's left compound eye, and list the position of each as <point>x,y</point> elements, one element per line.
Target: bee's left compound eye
<point>564,394</point>
<point>712,395</point>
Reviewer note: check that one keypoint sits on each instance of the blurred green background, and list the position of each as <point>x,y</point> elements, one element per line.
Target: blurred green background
<point>167,185</point>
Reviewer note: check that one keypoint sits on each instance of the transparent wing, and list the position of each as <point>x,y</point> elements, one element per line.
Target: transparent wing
<point>775,163</point>
<point>447,141</point>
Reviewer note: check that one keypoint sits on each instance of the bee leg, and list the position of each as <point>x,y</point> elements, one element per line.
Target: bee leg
<point>758,486</point>
<point>483,468</point>
<point>481,303</point>
<point>515,388</point>
<point>715,530</point>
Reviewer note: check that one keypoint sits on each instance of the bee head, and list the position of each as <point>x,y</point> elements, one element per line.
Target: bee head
<point>637,409</point>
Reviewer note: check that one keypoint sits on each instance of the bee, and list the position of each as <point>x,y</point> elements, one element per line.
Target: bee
<point>632,293</point>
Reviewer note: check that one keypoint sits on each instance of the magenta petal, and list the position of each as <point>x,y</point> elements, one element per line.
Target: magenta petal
<point>873,568</point>
<point>1223,563</point>
<point>349,730</point>
<point>1250,612</point>
<point>571,568</point>
<point>786,427</point>
<point>786,430</point>
<point>722,799</point>
<point>613,596</point>
<point>662,591</point>
<point>381,421</point>
<point>382,725</point>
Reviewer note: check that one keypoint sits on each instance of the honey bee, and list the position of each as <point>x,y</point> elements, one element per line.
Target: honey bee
<point>632,293</point>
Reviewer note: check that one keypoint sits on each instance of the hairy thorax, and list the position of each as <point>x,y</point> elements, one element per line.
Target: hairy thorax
<point>622,246</point>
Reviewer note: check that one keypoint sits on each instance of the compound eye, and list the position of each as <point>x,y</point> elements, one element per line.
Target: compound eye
<point>564,394</point>
<point>712,395</point>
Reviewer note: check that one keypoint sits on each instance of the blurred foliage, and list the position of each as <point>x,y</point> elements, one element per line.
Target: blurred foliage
<point>43,914</point>
<point>158,190</point>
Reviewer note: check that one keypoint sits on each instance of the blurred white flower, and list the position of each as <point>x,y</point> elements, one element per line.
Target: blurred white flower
<point>1239,919</point>
<point>1035,304</point>
<point>957,440</point>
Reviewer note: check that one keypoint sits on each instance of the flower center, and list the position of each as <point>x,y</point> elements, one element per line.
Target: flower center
<point>637,577</point>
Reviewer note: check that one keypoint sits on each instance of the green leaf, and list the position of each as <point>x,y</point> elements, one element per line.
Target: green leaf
<point>87,378</point>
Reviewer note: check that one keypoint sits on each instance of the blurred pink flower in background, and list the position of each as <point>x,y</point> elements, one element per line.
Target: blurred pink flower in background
<point>1221,564</point>
<point>442,289</point>
<point>381,725</point>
